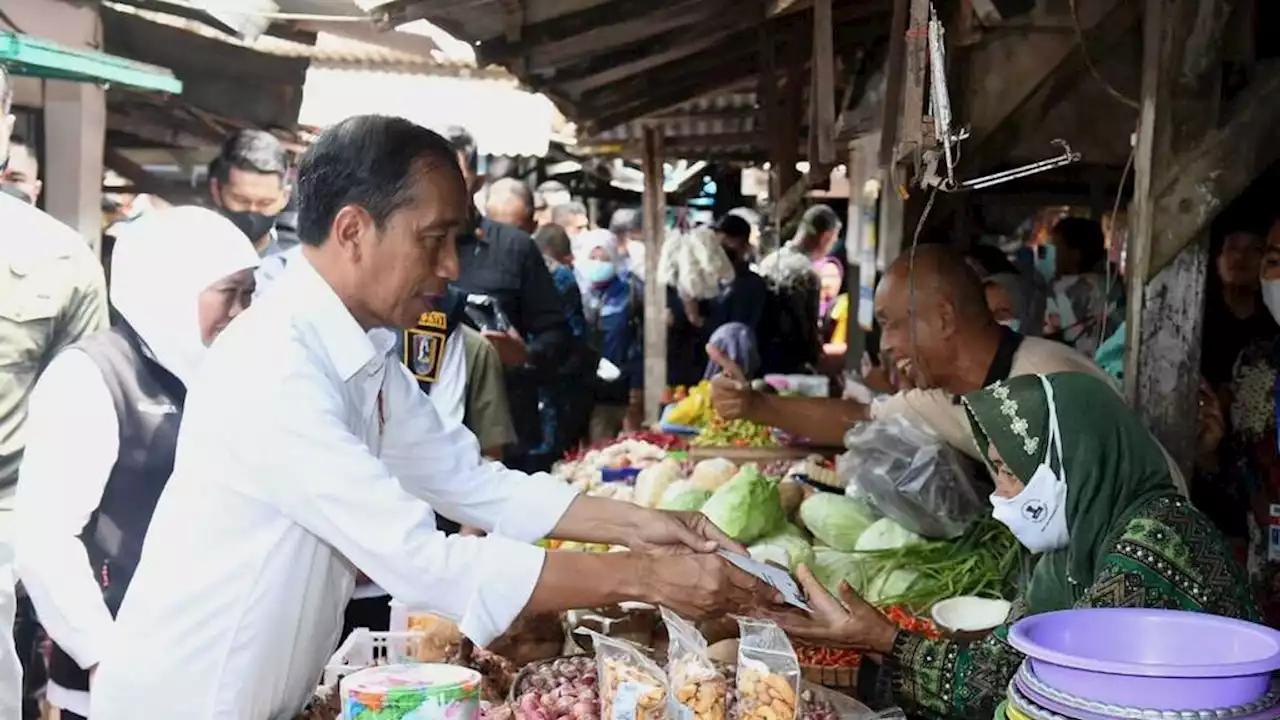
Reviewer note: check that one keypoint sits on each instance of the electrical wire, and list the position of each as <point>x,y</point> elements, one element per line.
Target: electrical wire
<point>1111,269</point>
<point>1088,61</point>
<point>911,280</point>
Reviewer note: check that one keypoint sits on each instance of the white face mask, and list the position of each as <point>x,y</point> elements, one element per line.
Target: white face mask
<point>1271,296</point>
<point>1037,516</point>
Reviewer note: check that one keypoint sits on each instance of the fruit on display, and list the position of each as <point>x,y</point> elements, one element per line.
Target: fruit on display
<point>694,409</point>
<point>734,433</point>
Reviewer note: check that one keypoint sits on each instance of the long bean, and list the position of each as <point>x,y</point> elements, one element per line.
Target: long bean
<point>983,562</point>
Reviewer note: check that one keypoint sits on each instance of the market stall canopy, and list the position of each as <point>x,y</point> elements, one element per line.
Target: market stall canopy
<point>34,57</point>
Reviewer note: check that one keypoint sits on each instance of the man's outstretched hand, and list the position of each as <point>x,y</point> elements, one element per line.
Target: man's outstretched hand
<point>681,532</point>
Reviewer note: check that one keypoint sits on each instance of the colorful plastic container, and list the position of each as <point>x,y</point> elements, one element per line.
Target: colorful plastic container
<point>411,692</point>
<point>1159,659</point>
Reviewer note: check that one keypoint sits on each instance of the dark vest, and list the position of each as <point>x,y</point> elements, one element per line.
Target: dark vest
<point>148,402</point>
<point>422,346</point>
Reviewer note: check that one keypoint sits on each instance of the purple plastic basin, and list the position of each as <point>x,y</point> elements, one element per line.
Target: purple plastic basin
<point>1155,659</point>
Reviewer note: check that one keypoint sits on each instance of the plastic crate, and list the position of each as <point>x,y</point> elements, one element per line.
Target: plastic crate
<point>365,648</point>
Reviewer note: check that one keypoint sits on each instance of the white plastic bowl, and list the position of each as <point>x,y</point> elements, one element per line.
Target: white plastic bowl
<point>970,614</point>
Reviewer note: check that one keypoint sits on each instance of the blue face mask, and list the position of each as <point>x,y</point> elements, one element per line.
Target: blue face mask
<point>597,272</point>
<point>1047,261</point>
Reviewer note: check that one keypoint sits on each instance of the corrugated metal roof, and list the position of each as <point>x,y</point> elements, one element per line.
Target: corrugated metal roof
<point>503,119</point>
<point>724,114</point>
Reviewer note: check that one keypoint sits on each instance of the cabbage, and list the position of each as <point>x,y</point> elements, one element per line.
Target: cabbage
<point>890,585</point>
<point>683,495</point>
<point>793,530</point>
<point>831,567</point>
<point>836,520</point>
<point>712,473</point>
<point>785,548</point>
<point>885,534</point>
<point>653,482</point>
<point>747,507</point>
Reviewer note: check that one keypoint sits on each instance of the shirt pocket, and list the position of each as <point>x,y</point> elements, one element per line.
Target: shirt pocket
<point>28,317</point>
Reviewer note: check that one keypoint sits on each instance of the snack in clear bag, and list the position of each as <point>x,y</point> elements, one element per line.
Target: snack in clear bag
<point>699,687</point>
<point>768,673</point>
<point>632,686</point>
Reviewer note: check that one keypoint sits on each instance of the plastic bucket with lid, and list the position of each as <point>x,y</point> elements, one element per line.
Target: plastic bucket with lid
<point>1159,659</point>
<point>412,692</point>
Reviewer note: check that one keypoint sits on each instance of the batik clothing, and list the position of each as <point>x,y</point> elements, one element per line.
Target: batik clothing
<point>1170,556</point>
<point>1078,306</point>
<point>1134,541</point>
<point>1250,476</point>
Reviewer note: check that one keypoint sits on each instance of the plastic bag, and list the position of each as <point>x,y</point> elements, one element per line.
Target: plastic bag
<point>694,264</point>
<point>910,475</point>
<point>699,687</point>
<point>632,686</point>
<point>768,673</point>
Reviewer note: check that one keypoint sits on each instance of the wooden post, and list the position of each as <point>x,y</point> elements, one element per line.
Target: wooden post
<point>824,88</point>
<point>655,293</point>
<point>1181,87</point>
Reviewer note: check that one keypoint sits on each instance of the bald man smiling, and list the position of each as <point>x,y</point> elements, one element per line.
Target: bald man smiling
<point>958,348</point>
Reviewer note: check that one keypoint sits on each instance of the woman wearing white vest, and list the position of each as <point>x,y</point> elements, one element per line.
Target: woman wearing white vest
<point>103,428</point>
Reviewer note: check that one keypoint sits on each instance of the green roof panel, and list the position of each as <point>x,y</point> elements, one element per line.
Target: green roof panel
<point>34,57</point>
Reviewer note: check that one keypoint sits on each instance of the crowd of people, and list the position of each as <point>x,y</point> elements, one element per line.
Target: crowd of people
<point>420,343</point>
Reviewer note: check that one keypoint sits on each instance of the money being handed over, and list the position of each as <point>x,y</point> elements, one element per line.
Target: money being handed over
<point>777,578</point>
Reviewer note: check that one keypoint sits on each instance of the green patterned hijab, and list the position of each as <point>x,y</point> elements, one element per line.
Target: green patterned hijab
<point>1113,467</point>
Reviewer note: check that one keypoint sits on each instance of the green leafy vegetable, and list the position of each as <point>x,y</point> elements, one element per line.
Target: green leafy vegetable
<point>793,549</point>
<point>683,495</point>
<point>832,567</point>
<point>836,520</point>
<point>885,534</point>
<point>747,507</point>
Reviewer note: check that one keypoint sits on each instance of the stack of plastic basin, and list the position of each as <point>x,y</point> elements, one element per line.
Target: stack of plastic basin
<point>1141,664</point>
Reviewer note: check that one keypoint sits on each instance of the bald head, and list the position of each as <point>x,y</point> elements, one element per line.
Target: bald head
<point>950,317</point>
<point>941,274</point>
<point>510,202</point>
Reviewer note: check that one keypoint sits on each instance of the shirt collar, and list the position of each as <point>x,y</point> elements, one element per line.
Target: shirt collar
<point>347,344</point>
<point>1002,364</point>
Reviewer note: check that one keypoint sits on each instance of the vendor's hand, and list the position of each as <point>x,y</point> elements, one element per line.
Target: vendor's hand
<point>731,394</point>
<point>681,532</point>
<point>848,622</point>
<point>510,346</point>
<point>703,586</point>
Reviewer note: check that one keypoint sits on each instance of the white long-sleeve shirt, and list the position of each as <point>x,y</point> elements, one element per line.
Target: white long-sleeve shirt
<point>58,490</point>
<point>290,474</point>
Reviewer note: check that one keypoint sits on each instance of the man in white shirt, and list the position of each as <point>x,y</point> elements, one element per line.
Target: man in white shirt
<point>291,476</point>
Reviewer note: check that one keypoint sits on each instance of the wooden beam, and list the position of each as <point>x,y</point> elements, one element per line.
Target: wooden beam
<point>625,31</point>
<point>709,72</point>
<point>156,132</point>
<point>1181,90</point>
<point>895,72</point>
<point>655,293</point>
<point>912,131</point>
<point>675,46</point>
<point>393,14</point>
<point>1206,178</point>
<point>145,182</point>
<point>1031,81</point>
<point>576,36</point>
<point>824,86</point>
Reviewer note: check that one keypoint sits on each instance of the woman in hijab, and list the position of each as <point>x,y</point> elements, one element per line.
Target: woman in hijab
<point>1081,482</point>
<point>613,303</point>
<point>103,427</point>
